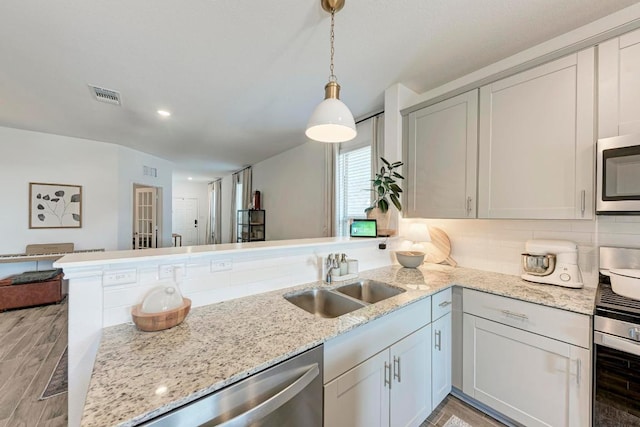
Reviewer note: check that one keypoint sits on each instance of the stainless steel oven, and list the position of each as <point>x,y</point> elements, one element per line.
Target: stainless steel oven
<point>618,175</point>
<point>616,346</point>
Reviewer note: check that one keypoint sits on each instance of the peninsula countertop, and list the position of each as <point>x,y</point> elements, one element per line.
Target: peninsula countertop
<point>140,375</point>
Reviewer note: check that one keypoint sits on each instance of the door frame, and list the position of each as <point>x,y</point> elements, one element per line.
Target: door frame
<point>158,213</point>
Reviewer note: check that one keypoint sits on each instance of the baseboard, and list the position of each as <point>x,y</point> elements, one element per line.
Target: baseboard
<point>484,408</point>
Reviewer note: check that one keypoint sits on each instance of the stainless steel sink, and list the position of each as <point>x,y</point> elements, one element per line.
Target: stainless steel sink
<point>370,291</point>
<point>324,303</point>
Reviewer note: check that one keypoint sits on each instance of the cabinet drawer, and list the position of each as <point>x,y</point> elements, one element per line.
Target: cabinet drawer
<point>573,328</point>
<point>441,304</point>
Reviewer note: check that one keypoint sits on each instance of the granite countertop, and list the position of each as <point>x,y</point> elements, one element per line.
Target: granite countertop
<point>140,375</point>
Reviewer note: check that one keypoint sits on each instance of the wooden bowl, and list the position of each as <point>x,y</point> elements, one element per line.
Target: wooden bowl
<point>152,322</point>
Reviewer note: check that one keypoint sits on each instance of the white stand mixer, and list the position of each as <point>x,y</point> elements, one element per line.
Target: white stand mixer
<point>554,262</point>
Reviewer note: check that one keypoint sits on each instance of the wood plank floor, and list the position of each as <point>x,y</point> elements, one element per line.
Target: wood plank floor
<point>453,406</point>
<point>31,343</point>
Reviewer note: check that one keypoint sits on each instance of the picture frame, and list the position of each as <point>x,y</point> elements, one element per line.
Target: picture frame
<point>55,205</point>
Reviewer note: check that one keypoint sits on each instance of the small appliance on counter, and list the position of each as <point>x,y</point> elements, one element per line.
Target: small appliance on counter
<point>554,262</point>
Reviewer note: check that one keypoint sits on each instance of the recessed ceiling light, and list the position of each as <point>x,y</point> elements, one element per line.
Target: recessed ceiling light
<point>190,178</point>
<point>164,113</point>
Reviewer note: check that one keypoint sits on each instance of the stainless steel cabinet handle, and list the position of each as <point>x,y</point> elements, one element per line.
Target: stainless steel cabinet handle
<point>438,344</point>
<point>579,368</point>
<point>387,379</point>
<point>273,403</point>
<point>515,315</point>
<point>634,334</point>
<point>583,201</point>
<point>444,303</point>
<point>396,373</point>
<point>469,200</point>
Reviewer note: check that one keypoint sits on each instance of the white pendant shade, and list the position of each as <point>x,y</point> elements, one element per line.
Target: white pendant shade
<point>331,121</point>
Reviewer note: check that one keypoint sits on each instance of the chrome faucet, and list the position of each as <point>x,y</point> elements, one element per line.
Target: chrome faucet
<point>331,264</point>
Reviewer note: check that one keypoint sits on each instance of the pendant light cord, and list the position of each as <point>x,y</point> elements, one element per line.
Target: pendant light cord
<point>332,76</point>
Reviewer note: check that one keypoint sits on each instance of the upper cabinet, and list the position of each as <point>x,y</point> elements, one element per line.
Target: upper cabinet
<point>441,156</point>
<point>536,142</point>
<point>619,86</point>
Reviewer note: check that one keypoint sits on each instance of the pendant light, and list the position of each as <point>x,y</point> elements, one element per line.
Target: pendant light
<point>331,121</point>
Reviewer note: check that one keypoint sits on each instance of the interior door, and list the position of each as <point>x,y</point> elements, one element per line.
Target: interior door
<point>185,220</point>
<point>145,230</point>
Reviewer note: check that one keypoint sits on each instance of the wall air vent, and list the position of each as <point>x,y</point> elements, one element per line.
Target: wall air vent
<point>106,95</point>
<point>149,171</point>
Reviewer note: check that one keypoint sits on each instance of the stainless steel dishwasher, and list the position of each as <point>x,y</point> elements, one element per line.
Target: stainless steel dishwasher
<point>285,395</point>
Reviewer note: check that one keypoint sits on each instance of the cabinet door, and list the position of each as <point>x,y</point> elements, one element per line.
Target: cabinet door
<point>535,380</point>
<point>619,86</point>
<point>441,157</point>
<point>411,385</point>
<point>440,359</point>
<point>359,397</point>
<point>537,142</point>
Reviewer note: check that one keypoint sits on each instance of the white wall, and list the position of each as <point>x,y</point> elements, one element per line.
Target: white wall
<point>106,173</point>
<point>226,235</point>
<point>195,190</point>
<point>496,245</point>
<point>39,157</point>
<point>292,186</point>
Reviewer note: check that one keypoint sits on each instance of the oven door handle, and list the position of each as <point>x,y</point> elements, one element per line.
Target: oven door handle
<point>612,341</point>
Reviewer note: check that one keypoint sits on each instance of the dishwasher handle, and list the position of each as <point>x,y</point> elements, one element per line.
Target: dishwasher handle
<point>274,402</point>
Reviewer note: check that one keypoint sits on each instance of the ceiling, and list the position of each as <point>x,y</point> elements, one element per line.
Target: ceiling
<point>241,77</point>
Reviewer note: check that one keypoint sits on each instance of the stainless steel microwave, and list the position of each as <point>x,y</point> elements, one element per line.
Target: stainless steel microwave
<point>618,175</point>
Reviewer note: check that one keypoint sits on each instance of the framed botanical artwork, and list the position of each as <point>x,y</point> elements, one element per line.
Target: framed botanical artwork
<point>55,205</point>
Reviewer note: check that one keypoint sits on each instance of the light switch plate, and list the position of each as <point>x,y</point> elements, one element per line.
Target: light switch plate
<point>120,277</point>
<point>221,265</point>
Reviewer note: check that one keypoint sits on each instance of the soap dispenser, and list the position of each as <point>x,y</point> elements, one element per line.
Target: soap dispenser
<point>344,266</point>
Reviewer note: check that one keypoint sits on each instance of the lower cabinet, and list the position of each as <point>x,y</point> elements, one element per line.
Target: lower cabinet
<point>533,379</point>
<point>441,342</point>
<point>392,388</point>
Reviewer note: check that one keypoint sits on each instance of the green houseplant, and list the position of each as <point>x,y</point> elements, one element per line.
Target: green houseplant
<point>385,191</point>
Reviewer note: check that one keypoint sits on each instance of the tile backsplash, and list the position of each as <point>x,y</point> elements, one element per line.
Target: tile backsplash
<point>496,245</point>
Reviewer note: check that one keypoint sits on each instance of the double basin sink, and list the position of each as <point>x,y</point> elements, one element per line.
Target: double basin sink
<point>330,303</point>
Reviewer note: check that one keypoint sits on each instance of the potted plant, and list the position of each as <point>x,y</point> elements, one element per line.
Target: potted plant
<point>385,191</point>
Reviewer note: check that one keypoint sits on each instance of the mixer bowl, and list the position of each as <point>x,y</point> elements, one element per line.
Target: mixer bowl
<point>538,265</point>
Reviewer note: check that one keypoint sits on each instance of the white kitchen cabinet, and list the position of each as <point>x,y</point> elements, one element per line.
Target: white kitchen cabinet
<point>393,388</point>
<point>441,359</point>
<point>537,142</point>
<point>441,157</point>
<point>359,397</point>
<point>619,85</point>
<point>527,361</point>
<point>411,380</point>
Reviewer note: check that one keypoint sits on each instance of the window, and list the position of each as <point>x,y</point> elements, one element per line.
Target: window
<point>353,172</point>
<point>354,182</point>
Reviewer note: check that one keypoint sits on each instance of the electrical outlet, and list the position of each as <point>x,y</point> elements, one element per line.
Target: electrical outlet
<point>221,265</point>
<point>119,277</point>
<point>165,271</point>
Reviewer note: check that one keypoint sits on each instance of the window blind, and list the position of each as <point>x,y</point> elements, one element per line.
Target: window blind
<point>354,182</point>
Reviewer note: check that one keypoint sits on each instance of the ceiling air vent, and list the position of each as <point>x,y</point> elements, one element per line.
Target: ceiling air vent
<point>106,95</point>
